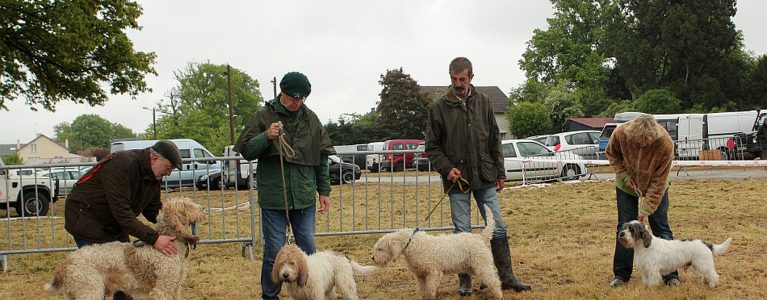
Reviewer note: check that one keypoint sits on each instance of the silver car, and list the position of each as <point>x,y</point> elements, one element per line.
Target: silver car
<point>528,159</point>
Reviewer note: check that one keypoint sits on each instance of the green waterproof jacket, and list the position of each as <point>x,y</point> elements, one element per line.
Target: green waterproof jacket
<point>104,204</point>
<point>306,173</point>
<point>465,137</point>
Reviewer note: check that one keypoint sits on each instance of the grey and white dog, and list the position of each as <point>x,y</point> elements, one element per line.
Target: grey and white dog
<point>656,257</point>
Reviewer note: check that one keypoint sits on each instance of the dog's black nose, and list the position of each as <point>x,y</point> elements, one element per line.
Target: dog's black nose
<point>285,275</point>
<point>620,234</point>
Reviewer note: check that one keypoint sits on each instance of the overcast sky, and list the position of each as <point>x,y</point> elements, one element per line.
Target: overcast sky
<point>342,46</point>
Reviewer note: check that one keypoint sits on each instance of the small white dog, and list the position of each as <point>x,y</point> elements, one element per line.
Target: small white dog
<point>656,257</point>
<point>313,277</point>
<point>430,257</point>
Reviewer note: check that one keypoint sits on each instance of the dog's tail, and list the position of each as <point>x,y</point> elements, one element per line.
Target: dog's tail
<point>51,288</point>
<point>363,270</point>
<point>487,232</point>
<point>54,287</point>
<point>721,248</point>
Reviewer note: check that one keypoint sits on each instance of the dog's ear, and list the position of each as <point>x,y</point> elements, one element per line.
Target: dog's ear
<point>301,268</point>
<point>646,237</point>
<point>278,262</point>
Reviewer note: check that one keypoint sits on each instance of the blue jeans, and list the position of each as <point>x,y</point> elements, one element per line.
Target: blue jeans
<point>273,227</point>
<point>460,210</point>
<point>628,210</point>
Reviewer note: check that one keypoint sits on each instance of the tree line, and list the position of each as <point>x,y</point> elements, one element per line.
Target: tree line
<point>595,58</point>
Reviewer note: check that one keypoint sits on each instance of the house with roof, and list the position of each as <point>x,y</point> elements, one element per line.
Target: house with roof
<point>575,124</point>
<point>44,150</point>
<point>497,98</point>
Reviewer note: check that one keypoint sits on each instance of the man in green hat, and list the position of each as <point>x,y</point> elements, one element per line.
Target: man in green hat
<point>105,203</point>
<point>305,170</point>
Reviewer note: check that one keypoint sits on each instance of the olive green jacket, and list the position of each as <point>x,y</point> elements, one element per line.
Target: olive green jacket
<point>306,173</point>
<point>465,137</point>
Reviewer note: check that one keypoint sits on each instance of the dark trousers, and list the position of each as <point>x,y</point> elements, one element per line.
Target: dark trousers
<point>628,209</point>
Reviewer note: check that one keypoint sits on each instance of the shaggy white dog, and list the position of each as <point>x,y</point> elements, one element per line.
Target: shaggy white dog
<point>656,257</point>
<point>99,270</point>
<point>314,277</point>
<point>431,257</point>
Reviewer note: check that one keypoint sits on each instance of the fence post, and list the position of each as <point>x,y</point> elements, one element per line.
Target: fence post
<point>4,260</point>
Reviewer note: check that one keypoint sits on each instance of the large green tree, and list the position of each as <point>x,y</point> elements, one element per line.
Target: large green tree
<point>690,47</point>
<point>197,107</point>
<point>90,132</point>
<point>571,52</point>
<point>353,129</point>
<point>68,50</point>
<point>403,108</point>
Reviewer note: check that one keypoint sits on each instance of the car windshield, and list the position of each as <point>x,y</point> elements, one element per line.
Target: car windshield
<point>531,149</point>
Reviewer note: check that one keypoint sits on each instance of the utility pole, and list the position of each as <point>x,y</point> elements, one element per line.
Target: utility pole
<point>229,101</point>
<point>274,86</point>
<point>154,120</point>
<point>154,123</point>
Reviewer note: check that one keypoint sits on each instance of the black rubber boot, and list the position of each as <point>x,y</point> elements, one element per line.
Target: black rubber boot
<point>502,259</point>
<point>464,285</point>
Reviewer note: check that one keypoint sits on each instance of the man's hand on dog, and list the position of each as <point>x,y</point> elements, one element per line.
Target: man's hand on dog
<point>166,245</point>
<point>454,174</point>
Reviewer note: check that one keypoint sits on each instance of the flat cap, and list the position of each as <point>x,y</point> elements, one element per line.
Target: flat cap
<point>296,85</point>
<point>169,150</point>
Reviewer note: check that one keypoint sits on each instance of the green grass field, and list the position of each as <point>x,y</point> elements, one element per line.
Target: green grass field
<point>562,238</point>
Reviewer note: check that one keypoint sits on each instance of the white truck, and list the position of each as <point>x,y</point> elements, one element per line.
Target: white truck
<point>237,172</point>
<point>731,132</point>
<point>198,162</point>
<point>28,194</point>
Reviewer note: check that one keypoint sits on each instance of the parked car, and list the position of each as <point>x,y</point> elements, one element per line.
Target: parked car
<point>65,178</point>
<point>29,195</point>
<point>373,161</point>
<point>342,171</point>
<point>237,171</point>
<point>421,161</point>
<point>532,159</point>
<point>213,180</point>
<point>584,142</point>
<point>398,162</point>
<point>604,138</point>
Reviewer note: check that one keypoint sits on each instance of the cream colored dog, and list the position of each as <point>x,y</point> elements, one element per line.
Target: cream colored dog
<point>317,276</point>
<point>431,257</point>
<point>99,270</point>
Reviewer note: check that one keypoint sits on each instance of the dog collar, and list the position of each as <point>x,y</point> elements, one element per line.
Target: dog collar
<point>411,238</point>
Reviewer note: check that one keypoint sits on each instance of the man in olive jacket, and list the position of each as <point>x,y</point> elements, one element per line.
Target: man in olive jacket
<point>105,203</point>
<point>463,143</point>
<point>305,170</point>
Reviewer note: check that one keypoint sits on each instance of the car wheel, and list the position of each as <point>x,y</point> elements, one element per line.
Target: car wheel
<point>570,172</point>
<point>32,204</point>
<point>348,177</point>
<point>220,184</point>
<point>252,182</point>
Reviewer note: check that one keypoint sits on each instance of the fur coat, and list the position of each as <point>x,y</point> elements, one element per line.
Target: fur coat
<point>642,151</point>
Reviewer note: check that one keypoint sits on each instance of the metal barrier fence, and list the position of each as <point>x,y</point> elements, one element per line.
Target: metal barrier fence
<point>367,202</point>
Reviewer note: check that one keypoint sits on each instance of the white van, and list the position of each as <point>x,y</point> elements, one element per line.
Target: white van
<point>373,161</point>
<point>189,149</point>
<point>238,171</point>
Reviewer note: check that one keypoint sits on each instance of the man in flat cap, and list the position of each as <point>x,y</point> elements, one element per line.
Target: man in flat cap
<point>105,203</point>
<point>305,170</point>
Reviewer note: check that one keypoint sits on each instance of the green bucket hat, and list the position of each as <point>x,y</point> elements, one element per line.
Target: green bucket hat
<point>296,85</point>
